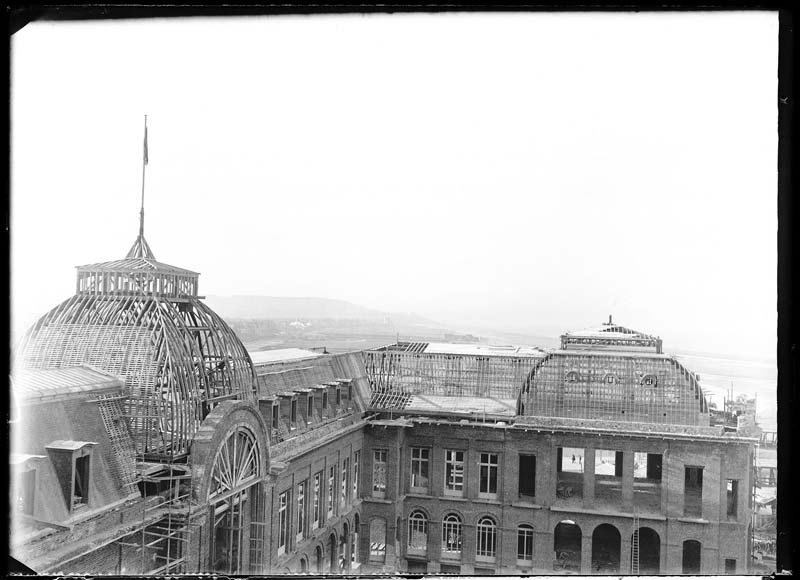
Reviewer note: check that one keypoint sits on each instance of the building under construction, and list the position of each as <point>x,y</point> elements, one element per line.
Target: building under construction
<point>598,457</point>
<point>147,440</point>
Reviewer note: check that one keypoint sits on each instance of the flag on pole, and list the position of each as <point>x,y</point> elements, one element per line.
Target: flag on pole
<point>145,140</point>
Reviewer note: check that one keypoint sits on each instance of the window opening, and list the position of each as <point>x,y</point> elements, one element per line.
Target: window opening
<point>379,472</point>
<point>451,536</point>
<point>487,538</point>
<point>419,469</point>
<point>527,475</point>
<point>488,474</point>
<point>417,532</point>
<point>524,544</point>
<point>454,472</point>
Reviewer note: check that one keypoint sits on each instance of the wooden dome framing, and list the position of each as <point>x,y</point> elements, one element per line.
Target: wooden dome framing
<point>138,319</point>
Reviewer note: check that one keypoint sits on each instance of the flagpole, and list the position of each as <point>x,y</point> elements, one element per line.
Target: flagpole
<point>144,164</point>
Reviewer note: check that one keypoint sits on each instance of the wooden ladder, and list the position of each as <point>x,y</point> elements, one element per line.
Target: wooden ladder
<point>635,545</point>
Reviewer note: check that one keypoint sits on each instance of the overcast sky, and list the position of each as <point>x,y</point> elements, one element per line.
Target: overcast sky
<point>530,172</point>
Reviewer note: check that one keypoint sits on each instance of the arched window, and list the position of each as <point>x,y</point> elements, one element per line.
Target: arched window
<point>487,538</point>
<point>451,536</point>
<point>417,532</point>
<point>525,544</point>
<point>377,540</point>
<point>610,379</point>
<point>303,566</point>
<point>650,381</point>
<point>571,377</point>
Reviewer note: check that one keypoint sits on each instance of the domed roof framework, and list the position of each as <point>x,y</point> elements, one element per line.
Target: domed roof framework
<point>143,320</point>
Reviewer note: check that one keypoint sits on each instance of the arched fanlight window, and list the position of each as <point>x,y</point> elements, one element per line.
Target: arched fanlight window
<point>487,538</point>
<point>525,543</point>
<point>451,535</point>
<point>571,377</point>
<point>417,531</point>
<point>610,378</point>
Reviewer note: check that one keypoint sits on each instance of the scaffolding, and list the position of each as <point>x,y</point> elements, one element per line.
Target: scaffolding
<point>159,547</point>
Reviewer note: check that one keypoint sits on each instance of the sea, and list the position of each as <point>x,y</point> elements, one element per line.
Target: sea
<point>754,377</point>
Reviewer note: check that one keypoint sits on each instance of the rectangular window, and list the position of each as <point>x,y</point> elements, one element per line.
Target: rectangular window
<point>379,472</point>
<point>454,472</point>
<point>276,409</point>
<point>294,410</point>
<point>301,510</point>
<point>733,497</point>
<point>81,481</point>
<point>283,521</point>
<point>356,461</point>
<point>527,475</point>
<point>570,459</point>
<point>419,469</point>
<point>325,399</point>
<point>488,473</point>
<point>730,566</point>
<point>693,491</point>
<point>317,510</point>
<point>647,481</point>
<point>331,490</point>
<point>309,408</point>
<point>345,481</point>
<point>524,545</point>
<point>338,396</point>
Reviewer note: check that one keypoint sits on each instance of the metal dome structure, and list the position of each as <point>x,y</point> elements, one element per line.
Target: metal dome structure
<point>143,320</point>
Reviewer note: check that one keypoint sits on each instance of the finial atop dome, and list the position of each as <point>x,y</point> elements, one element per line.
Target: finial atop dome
<point>141,248</point>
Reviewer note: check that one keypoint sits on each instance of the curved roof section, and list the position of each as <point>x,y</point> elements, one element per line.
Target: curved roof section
<point>614,386</point>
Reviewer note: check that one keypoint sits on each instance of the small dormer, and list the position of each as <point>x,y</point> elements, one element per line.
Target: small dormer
<point>72,462</point>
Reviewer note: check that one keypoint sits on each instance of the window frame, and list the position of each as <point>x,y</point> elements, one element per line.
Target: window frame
<point>283,522</point>
<point>344,482</point>
<point>331,505</point>
<point>417,523</point>
<point>525,538</point>
<point>302,509</point>
<point>452,522</point>
<point>380,457</point>
<point>420,469</point>
<point>317,501</point>
<point>356,467</point>
<point>453,488</point>
<point>486,539</point>
<point>492,474</point>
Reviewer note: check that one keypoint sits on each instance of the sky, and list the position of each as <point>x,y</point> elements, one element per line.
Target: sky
<point>528,172</point>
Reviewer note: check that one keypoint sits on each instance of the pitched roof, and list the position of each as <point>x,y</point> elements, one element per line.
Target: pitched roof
<point>137,264</point>
<point>41,384</point>
<point>281,355</point>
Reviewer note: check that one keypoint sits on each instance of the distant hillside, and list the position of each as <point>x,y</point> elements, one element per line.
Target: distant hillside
<point>282,308</point>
